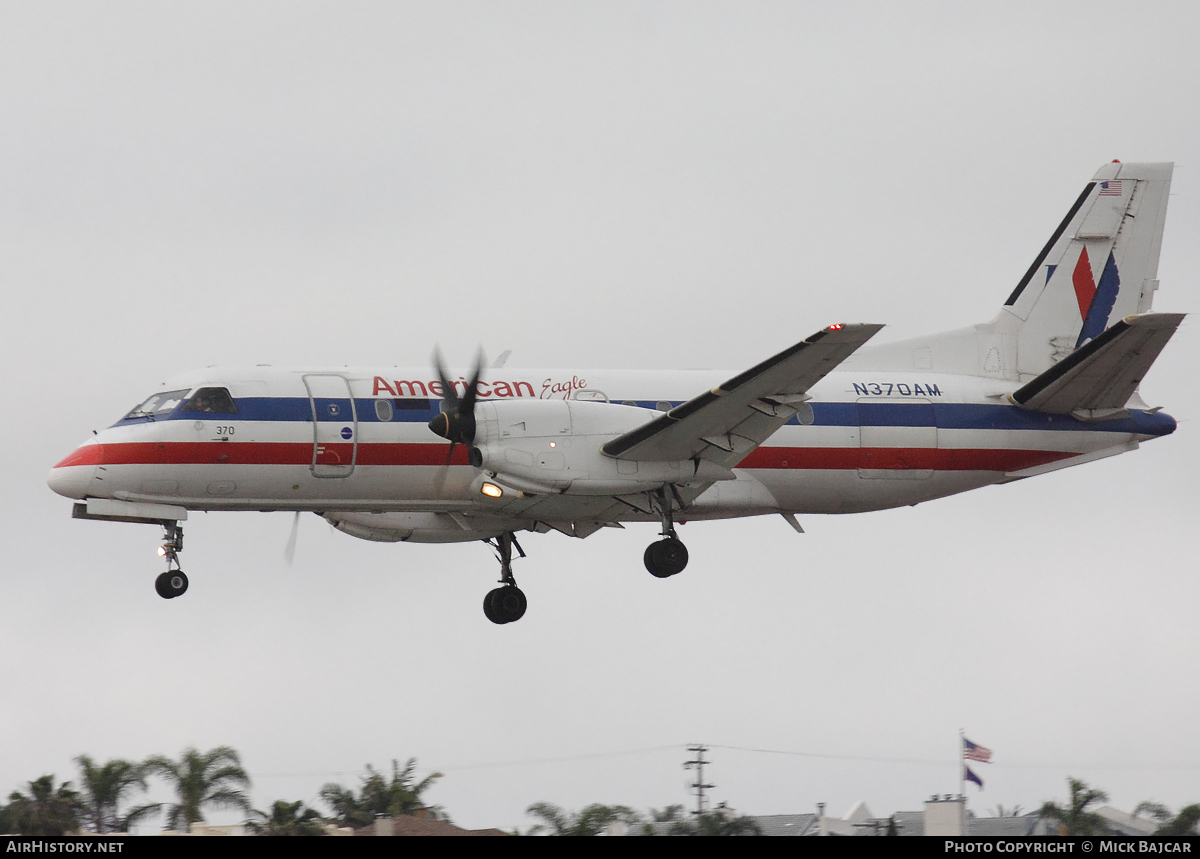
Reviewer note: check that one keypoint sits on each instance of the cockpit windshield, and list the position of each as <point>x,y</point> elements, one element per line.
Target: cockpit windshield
<point>159,404</point>
<point>214,400</point>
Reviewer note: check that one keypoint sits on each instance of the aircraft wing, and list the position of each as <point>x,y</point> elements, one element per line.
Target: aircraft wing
<point>726,423</point>
<point>1097,379</point>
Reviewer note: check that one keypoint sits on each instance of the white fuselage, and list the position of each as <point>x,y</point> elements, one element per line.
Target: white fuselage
<point>354,445</point>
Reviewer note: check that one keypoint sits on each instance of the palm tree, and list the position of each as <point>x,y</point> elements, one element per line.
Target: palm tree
<point>1156,810</point>
<point>45,811</point>
<point>104,788</point>
<point>286,819</point>
<point>590,821</point>
<point>381,798</point>
<point>1183,823</point>
<point>347,810</point>
<point>668,814</point>
<point>1075,819</point>
<point>214,778</point>
<point>716,823</point>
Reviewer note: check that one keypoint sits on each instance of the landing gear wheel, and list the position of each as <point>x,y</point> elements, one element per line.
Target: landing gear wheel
<point>171,584</point>
<point>666,557</point>
<point>510,603</point>
<point>488,611</point>
<point>505,604</point>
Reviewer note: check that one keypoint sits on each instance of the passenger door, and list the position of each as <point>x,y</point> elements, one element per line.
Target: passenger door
<point>335,425</point>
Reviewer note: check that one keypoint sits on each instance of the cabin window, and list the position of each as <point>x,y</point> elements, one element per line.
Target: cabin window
<point>159,404</point>
<point>384,410</point>
<point>212,400</point>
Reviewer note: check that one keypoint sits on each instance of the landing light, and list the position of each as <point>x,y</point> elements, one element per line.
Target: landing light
<point>162,551</point>
<point>491,490</point>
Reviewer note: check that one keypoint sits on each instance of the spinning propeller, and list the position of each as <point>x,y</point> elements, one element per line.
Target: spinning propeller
<point>456,423</point>
<point>289,550</point>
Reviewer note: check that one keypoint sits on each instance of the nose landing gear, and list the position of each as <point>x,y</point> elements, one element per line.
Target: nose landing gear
<point>173,583</point>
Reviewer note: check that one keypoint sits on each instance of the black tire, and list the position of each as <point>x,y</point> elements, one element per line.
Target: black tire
<point>489,610</point>
<point>175,584</point>
<point>653,562</point>
<point>674,555</point>
<point>509,603</point>
<point>161,587</point>
<point>666,558</point>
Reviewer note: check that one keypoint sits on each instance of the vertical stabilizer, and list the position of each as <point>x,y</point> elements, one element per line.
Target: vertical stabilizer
<point>1098,267</point>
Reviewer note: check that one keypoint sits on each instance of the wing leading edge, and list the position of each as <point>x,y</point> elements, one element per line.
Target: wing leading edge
<point>725,424</point>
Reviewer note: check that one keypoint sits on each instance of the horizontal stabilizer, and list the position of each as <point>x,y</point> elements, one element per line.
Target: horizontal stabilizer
<point>1098,378</point>
<point>725,424</point>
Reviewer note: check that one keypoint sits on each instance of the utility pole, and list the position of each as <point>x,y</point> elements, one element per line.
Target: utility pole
<point>699,785</point>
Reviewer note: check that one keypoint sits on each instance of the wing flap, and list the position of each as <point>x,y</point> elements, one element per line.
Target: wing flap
<point>727,422</point>
<point>1098,379</point>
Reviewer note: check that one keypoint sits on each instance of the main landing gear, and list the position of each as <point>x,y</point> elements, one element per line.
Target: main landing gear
<point>507,602</point>
<point>668,556</point>
<point>173,583</point>
<point>664,558</point>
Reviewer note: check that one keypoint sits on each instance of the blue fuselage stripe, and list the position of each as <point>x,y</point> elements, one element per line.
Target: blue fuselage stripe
<point>947,416</point>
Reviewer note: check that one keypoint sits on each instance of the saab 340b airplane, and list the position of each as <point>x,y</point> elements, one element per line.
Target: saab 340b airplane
<point>828,425</point>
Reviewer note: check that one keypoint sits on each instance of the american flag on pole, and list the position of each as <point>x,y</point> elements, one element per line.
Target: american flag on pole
<point>973,752</point>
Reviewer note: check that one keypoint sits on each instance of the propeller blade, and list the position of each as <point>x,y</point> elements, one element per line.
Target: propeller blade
<point>289,551</point>
<point>468,401</point>
<point>449,395</point>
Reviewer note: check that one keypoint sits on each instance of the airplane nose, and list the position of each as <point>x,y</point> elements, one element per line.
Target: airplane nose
<point>71,481</point>
<point>70,478</point>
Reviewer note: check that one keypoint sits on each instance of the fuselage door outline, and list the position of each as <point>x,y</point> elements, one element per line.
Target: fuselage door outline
<point>334,452</point>
<point>895,447</point>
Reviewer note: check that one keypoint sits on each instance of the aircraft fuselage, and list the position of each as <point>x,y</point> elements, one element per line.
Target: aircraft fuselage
<point>357,441</point>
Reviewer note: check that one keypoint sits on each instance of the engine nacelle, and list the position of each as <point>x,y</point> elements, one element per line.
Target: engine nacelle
<point>417,527</point>
<point>553,447</point>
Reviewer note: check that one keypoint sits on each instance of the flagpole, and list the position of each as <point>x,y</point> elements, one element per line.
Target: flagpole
<point>962,763</point>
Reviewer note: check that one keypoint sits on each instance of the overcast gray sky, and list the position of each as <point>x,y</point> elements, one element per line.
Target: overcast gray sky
<point>590,185</point>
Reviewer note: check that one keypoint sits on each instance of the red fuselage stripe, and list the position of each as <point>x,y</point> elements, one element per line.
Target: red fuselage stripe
<point>789,458</point>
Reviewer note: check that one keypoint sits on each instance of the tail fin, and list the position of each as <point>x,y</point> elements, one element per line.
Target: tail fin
<point>1098,267</point>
